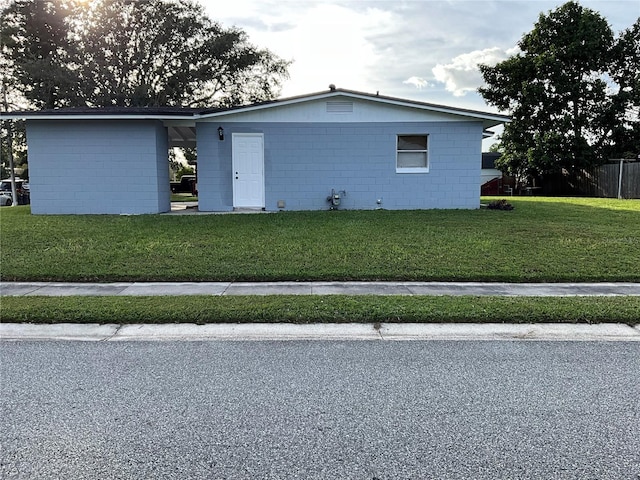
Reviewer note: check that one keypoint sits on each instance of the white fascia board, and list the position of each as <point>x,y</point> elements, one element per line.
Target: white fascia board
<point>488,134</point>
<point>489,119</point>
<point>178,122</point>
<point>436,108</point>
<point>252,108</point>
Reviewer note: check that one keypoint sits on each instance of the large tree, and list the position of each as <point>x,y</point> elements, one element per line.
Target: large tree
<point>11,133</point>
<point>558,90</point>
<point>34,35</point>
<point>133,53</point>
<point>625,114</point>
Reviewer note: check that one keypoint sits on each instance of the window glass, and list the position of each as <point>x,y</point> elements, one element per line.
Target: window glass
<point>412,154</point>
<point>412,160</point>
<point>412,142</point>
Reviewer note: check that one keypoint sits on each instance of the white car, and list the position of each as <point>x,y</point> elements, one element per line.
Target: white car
<point>5,200</point>
<point>22,190</point>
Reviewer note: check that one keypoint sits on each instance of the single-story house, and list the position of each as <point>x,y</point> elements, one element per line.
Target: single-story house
<point>333,149</point>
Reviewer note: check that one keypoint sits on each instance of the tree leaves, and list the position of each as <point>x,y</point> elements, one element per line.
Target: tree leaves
<point>566,111</point>
<point>625,72</point>
<point>133,53</point>
<point>34,39</point>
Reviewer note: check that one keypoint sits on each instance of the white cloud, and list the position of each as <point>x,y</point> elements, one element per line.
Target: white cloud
<point>462,74</point>
<point>417,82</point>
<point>393,46</point>
<point>329,43</point>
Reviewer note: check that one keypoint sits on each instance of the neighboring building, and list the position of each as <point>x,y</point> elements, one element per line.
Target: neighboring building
<point>489,170</point>
<point>494,182</point>
<point>298,153</point>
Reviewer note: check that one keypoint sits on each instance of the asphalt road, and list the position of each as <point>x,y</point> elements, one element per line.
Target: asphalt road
<point>320,409</point>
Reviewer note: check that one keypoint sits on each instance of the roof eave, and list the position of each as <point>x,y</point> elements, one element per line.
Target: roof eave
<point>489,119</point>
<point>72,116</point>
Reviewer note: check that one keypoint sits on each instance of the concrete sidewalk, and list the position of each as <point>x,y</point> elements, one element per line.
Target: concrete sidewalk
<point>330,331</point>
<point>58,289</point>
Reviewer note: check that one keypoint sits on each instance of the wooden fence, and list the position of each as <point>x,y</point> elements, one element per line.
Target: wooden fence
<point>602,181</point>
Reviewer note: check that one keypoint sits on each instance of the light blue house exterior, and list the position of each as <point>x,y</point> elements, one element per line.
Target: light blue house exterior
<point>98,166</point>
<point>334,149</point>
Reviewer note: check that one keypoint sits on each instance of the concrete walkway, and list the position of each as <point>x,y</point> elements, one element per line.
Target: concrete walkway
<point>57,289</point>
<point>385,331</point>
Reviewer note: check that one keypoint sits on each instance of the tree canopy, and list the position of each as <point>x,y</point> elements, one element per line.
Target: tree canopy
<point>625,71</point>
<point>572,92</point>
<point>131,53</point>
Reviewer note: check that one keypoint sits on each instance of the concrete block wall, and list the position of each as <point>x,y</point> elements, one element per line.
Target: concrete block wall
<point>163,189</point>
<point>215,187</point>
<point>305,161</point>
<point>98,167</point>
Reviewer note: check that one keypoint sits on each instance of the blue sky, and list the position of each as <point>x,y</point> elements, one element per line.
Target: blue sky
<point>426,50</point>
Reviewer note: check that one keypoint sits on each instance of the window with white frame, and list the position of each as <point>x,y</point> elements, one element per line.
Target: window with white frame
<point>412,154</point>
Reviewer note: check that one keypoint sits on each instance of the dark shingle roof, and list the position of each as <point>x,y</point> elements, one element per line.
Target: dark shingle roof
<point>490,119</point>
<point>111,110</point>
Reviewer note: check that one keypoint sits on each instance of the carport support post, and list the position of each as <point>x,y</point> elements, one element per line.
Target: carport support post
<point>5,104</point>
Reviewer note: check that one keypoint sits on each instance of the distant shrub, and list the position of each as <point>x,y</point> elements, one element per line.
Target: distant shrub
<point>500,205</point>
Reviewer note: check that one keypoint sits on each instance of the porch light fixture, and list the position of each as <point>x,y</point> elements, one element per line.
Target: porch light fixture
<point>221,133</point>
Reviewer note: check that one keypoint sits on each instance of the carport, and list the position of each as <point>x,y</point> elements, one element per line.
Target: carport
<point>111,160</point>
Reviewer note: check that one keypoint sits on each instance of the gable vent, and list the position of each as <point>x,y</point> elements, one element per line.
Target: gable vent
<point>339,107</point>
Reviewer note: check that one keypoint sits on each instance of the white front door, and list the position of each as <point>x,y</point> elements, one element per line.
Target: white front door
<point>248,170</point>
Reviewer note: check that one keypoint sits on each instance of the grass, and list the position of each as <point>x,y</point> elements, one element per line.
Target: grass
<point>320,309</point>
<point>543,239</point>
<point>183,197</point>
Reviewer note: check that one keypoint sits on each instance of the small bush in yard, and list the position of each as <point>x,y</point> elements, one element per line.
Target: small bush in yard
<point>500,205</point>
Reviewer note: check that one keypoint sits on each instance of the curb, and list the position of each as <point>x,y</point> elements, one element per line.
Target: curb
<point>350,331</point>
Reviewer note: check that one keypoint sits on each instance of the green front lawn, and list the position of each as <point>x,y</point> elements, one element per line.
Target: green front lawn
<point>543,239</point>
